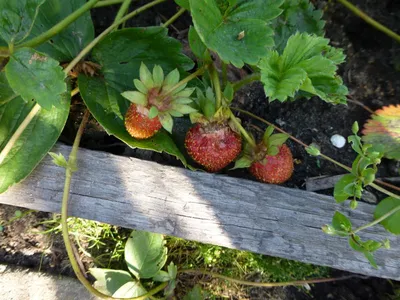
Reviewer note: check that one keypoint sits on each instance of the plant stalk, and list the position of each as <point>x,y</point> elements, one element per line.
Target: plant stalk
<point>64,221</point>
<point>45,36</point>
<point>248,79</point>
<point>122,11</point>
<point>369,20</point>
<point>174,17</point>
<point>266,284</point>
<point>93,43</point>
<point>243,131</point>
<point>108,3</point>
<point>217,86</point>
<point>377,221</point>
<point>10,144</point>
<point>192,76</point>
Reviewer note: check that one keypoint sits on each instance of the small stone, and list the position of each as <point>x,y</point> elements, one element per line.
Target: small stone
<point>338,141</point>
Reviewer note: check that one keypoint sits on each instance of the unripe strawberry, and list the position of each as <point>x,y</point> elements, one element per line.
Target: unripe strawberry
<point>138,123</point>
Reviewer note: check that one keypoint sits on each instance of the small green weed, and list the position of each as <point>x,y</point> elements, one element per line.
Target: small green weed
<point>103,243</point>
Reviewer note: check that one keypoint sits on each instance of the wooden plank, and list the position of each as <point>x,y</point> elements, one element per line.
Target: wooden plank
<point>208,208</point>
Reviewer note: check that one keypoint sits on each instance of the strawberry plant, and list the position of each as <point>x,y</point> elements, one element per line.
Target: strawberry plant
<point>136,82</point>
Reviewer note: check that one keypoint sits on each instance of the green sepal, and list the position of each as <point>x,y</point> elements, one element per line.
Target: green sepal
<point>313,149</point>
<point>59,159</point>
<point>140,86</point>
<point>135,97</point>
<point>145,76</point>
<point>243,162</point>
<point>153,112</point>
<point>166,121</point>
<point>158,76</point>
<point>171,79</point>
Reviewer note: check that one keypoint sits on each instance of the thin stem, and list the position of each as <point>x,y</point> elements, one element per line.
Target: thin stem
<point>248,79</point>
<point>93,43</point>
<point>174,17</point>
<point>217,86</point>
<point>362,105</point>
<point>75,91</point>
<point>369,20</point>
<point>64,221</point>
<point>192,76</point>
<point>108,3</point>
<point>45,36</point>
<point>243,131</point>
<point>122,11</point>
<point>381,189</point>
<point>10,144</point>
<point>377,221</point>
<point>323,155</point>
<point>267,284</point>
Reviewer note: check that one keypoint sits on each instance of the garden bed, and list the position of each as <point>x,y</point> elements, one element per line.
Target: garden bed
<point>371,72</point>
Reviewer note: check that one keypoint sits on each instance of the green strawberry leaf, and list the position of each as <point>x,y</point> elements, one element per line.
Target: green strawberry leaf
<point>66,45</point>
<point>392,223</point>
<point>145,254</point>
<point>108,107</point>
<point>197,46</point>
<point>239,33</point>
<point>6,92</point>
<point>340,222</point>
<point>34,143</point>
<point>121,53</point>
<point>17,18</point>
<point>183,3</point>
<point>195,294</point>
<point>36,76</point>
<point>384,128</point>
<point>130,289</point>
<point>303,66</point>
<point>297,16</point>
<point>339,193</point>
<point>109,281</point>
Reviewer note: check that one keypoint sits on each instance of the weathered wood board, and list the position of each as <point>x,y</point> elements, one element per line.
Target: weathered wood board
<point>204,207</point>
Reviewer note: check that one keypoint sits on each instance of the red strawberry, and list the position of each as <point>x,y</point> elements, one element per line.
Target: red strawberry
<point>212,145</point>
<point>138,124</point>
<point>278,168</point>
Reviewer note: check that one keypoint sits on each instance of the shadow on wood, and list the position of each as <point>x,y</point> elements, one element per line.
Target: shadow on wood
<point>204,207</point>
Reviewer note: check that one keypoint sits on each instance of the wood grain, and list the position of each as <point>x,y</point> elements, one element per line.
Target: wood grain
<point>203,207</point>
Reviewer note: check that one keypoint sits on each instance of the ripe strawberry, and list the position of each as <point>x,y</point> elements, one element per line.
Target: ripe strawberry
<point>138,123</point>
<point>212,145</point>
<point>277,169</point>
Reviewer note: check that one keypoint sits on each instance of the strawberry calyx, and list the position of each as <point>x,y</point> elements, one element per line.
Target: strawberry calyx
<point>159,96</point>
<point>269,146</point>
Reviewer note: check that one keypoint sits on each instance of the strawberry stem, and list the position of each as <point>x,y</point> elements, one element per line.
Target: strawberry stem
<point>217,86</point>
<point>243,131</point>
<point>192,76</point>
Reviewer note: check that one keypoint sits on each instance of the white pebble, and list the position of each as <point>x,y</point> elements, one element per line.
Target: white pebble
<point>338,141</point>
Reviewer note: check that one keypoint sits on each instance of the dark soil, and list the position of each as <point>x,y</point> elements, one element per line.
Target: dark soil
<point>372,74</point>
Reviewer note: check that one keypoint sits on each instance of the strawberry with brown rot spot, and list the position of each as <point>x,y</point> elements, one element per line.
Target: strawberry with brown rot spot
<point>212,141</point>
